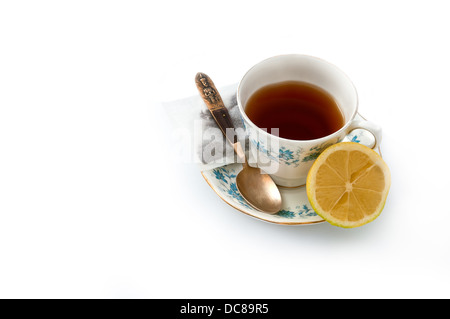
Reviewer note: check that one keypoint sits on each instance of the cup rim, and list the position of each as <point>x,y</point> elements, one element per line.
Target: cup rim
<point>343,128</point>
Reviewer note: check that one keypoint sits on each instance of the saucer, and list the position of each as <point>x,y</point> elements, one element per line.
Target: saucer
<point>296,209</point>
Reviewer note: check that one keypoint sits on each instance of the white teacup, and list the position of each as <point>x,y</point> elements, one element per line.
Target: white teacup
<point>288,161</point>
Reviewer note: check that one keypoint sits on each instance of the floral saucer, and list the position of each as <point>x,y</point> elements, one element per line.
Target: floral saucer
<point>296,209</point>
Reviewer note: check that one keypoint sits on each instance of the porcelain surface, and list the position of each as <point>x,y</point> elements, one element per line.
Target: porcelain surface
<point>296,208</point>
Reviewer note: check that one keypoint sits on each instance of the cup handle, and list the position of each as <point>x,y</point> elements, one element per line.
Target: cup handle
<point>373,128</point>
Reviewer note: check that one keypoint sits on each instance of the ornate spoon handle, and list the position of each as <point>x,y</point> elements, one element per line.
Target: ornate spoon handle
<point>214,102</point>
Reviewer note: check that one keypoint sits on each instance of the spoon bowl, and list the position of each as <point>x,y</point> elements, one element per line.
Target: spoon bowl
<point>259,190</point>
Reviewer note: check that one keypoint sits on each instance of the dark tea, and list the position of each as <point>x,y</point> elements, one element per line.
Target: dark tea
<point>301,111</point>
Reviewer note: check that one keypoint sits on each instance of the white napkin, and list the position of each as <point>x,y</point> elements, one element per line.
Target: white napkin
<point>190,116</point>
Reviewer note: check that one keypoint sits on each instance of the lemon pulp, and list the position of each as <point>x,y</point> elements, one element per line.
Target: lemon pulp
<point>348,184</point>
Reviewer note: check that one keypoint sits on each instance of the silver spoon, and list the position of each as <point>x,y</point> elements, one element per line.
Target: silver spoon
<point>258,189</point>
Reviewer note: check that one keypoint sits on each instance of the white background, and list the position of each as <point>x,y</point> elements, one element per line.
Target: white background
<point>94,204</point>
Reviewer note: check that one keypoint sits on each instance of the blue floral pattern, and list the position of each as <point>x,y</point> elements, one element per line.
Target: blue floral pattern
<point>315,151</point>
<point>355,139</point>
<point>299,211</point>
<point>227,180</point>
<point>361,136</point>
<point>219,175</point>
<point>285,155</point>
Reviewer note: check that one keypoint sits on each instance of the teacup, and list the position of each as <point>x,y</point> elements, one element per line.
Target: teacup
<point>288,161</point>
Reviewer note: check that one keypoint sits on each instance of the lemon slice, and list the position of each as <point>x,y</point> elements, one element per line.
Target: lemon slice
<point>348,184</point>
